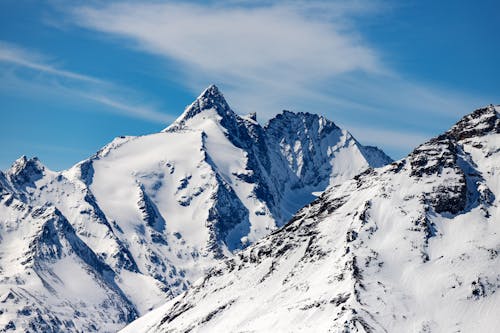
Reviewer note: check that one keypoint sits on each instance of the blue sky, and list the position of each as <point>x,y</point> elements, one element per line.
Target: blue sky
<point>74,75</point>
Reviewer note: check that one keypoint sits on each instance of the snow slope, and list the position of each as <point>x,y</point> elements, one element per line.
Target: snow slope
<point>92,247</point>
<point>410,247</point>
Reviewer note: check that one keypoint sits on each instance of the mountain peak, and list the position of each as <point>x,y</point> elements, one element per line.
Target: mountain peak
<point>482,121</point>
<point>210,99</point>
<point>23,163</point>
<point>359,238</point>
<point>26,171</point>
<point>301,120</point>
<point>211,91</point>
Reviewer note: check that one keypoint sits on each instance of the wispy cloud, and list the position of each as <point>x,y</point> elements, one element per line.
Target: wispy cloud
<point>269,55</point>
<point>77,85</point>
<point>282,50</point>
<point>243,42</point>
<point>14,54</point>
<point>265,54</point>
<point>139,111</point>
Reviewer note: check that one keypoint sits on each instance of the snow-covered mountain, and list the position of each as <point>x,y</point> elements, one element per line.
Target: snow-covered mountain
<point>410,247</point>
<point>92,247</point>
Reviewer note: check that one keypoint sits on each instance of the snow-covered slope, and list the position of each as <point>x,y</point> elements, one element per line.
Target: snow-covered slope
<point>409,247</point>
<point>49,275</point>
<point>92,247</point>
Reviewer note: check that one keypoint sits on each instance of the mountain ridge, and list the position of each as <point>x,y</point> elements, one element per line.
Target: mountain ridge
<point>412,246</point>
<point>156,212</point>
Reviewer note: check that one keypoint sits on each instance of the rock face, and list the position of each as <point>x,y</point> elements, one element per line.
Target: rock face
<point>409,247</point>
<point>93,247</point>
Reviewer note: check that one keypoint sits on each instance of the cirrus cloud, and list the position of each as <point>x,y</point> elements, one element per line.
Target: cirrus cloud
<point>77,85</point>
<point>270,55</point>
<point>240,42</point>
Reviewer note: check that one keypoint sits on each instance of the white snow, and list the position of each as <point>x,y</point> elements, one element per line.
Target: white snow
<point>146,216</point>
<point>393,250</point>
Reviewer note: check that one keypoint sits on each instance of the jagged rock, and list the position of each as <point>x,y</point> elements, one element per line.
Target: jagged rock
<point>404,247</point>
<point>139,221</point>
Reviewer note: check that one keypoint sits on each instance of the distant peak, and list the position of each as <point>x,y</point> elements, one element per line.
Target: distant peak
<point>302,115</point>
<point>288,113</point>
<point>23,163</point>
<point>24,171</point>
<point>210,99</point>
<point>294,120</point>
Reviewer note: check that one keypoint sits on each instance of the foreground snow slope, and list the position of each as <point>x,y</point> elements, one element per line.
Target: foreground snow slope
<point>410,247</point>
<point>93,247</point>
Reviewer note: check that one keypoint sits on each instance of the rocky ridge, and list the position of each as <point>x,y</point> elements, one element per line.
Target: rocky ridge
<point>93,247</point>
<point>412,246</point>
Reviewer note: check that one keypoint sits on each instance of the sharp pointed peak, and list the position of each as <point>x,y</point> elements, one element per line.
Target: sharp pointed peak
<point>211,91</point>
<point>210,99</point>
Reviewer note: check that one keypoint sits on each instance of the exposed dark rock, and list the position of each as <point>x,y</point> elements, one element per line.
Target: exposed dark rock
<point>480,122</point>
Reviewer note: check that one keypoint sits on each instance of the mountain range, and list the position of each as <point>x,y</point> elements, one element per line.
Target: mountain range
<point>91,248</point>
<point>412,246</point>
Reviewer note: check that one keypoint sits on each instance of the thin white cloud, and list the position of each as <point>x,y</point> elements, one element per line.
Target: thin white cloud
<point>281,47</point>
<point>242,42</point>
<point>78,85</point>
<point>269,55</point>
<point>133,110</point>
<point>16,55</point>
<point>266,56</point>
